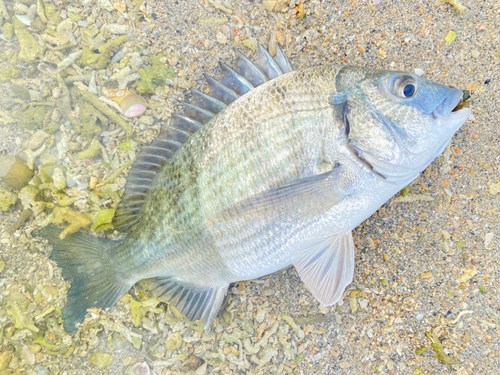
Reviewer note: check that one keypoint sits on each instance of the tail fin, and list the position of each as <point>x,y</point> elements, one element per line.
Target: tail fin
<point>85,262</point>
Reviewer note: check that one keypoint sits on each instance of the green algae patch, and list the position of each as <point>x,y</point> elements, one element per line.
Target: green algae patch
<point>153,76</point>
<point>31,118</point>
<point>30,49</point>
<point>91,152</point>
<point>7,199</point>
<point>126,146</point>
<point>102,360</point>
<point>103,219</point>
<point>60,215</point>
<point>20,320</point>
<point>100,60</point>
<point>9,73</point>
<point>8,31</point>
<point>439,349</point>
<point>174,341</point>
<point>14,172</point>
<point>139,309</point>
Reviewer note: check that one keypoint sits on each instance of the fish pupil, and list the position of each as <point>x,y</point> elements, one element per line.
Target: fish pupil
<point>409,90</point>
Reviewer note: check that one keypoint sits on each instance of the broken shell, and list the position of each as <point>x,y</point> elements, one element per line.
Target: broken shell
<point>47,68</point>
<point>14,172</point>
<point>133,105</point>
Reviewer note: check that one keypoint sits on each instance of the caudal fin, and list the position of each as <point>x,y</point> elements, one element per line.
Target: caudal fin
<point>85,262</point>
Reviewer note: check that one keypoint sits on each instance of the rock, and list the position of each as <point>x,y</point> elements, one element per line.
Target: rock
<point>147,120</point>
<point>7,199</point>
<point>140,368</point>
<point>102,360</point>
<point>5,358</point>
<point>32,12</point>
<point>14,172</point>
<point>174,341</point>
<point>28,357</point>
<point>8,31</point>
<point>41,370</point>
<point>59,179</point>
<point>221,38</point>
<point>105,4</point>
<point>117,29</point>
<point>30,49</point>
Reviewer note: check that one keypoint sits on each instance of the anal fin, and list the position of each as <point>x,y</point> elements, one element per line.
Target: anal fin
<point>326,266</point>
<point>197,303</point>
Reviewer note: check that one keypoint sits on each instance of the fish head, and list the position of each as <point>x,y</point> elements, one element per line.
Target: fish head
<point>398,122</point>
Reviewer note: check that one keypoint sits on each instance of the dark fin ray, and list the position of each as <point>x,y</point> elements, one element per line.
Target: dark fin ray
<point>249,70</point>
<point>175,134</point>
<point>267,64</point>
<point>196,113</point>
<point>150,160</point>
<point>220,91</point>
<point>185,124</point>
<point>197,303</point>
<point>84,261</point>
<point>207,102</point>
<point>282,61</point>
<point>234,81</point>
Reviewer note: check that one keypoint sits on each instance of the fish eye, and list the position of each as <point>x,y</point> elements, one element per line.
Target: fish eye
<point>409,90</point>
<point>403,86</point>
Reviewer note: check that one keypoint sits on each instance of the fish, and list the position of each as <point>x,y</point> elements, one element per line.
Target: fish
<point>274,167</point>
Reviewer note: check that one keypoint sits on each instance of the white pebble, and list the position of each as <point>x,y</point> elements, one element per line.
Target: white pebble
<point>420,317</point>
<point>419,72</point>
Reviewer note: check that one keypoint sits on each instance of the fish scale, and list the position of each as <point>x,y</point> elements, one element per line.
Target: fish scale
<point>274,167</point>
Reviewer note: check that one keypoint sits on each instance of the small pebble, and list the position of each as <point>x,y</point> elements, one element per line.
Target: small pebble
<point>420,317</point>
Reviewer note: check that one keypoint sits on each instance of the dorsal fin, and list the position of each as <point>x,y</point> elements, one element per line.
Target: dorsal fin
<point>207,102</point>
<point>266,63</point>
<point>249,70</point>
<point>236,82</point>
<point>233,80</point>
<point>220,91</point>
<point>196,113</point>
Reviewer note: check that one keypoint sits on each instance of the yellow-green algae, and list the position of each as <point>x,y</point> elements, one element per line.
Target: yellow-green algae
<point>7,199</point>
<point>14,172</point>
<point>8,31</point>
<point>174,341</point>
<point>439,349</point>
<point>139,309</point>
<point>105,110</point>
<point>30,118</point>
<point>102,360</point>
<point>60,215</point>
<point>8,73</point>
<point>103,219</point>
<point>30,49</point>
<point>153,76</point>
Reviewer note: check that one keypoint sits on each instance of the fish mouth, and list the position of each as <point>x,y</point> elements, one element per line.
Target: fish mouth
<point>450,111</point>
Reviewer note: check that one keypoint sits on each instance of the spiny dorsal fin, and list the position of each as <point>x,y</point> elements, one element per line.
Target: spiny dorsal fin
<point>236,82</point>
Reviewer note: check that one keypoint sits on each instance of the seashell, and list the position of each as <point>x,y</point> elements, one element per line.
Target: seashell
<point>133,105</point>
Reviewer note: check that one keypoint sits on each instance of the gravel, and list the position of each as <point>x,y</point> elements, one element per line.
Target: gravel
<point>425,295</point>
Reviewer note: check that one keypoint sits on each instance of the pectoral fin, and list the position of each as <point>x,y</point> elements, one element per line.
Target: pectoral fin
<point>301,200</point>
<point>326,266</point>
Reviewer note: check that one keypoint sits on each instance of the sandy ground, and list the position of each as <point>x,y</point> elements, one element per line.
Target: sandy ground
<point>425,295</point>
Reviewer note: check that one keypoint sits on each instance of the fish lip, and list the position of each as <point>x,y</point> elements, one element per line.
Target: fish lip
<point>445,110</point>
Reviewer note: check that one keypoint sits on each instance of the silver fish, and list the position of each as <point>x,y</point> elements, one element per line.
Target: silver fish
<point>275,167</point>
